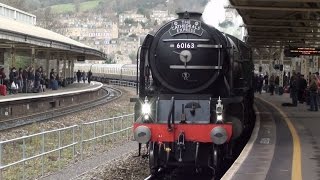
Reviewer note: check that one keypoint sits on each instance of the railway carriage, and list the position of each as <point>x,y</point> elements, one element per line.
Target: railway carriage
<point>106,72</point>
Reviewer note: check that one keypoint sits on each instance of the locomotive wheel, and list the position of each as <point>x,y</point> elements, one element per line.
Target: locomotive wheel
<point>153,158</point>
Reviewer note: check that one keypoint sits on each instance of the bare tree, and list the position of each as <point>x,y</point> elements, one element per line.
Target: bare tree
<point>77,5</point>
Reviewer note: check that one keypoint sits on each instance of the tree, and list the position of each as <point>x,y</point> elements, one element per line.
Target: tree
<point>133,57</point>
<point>77,5</point>
<point>143,24</point>
<point>133,35</point>
<point>141,11</point>
<point>109,61</point>
<point>22,61</point>
<point>130,21</point>
<point>156,23</point>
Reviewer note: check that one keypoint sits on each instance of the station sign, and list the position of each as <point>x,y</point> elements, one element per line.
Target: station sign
<point>81,58</point>
<point>301,51</point>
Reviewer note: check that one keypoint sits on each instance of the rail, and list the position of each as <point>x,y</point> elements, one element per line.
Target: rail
<point>41,147</point>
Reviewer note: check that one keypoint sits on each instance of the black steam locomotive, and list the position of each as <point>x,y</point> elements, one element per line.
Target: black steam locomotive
<point>195,94</point>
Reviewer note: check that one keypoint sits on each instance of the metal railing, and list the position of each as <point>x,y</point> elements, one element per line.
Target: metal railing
<point>104,128</point>
<point>123,83</point>
<point>40,145</point>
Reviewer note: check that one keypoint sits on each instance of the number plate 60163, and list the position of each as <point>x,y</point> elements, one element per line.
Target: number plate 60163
<point>185,45</point>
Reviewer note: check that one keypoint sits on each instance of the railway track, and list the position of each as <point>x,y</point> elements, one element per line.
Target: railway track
<point>111,95</point>
<point>179,174</point>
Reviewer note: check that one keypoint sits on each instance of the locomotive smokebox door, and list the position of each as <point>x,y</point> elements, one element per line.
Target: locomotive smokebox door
<point>185,57</point>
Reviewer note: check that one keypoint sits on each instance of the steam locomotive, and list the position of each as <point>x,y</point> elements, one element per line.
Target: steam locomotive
<point>195,94</point>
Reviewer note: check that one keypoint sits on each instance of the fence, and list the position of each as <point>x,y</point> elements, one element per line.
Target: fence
<point>41,148</point>
<point>123,83</point>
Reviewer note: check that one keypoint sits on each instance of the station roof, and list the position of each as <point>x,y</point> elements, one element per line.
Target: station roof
<point>278,23</point>
<point>23,35</point>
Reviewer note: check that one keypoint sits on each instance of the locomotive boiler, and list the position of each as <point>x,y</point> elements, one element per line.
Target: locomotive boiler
<point>195,94</point>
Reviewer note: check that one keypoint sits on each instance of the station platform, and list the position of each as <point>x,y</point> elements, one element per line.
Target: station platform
<point>285,143</point>
<point>68,90</point>
<point>23,105</point>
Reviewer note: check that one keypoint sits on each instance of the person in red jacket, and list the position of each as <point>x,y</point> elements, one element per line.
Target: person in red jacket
<point>3,87</point>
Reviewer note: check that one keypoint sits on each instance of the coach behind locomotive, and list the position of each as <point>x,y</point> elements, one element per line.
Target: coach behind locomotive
<point>200,99</point>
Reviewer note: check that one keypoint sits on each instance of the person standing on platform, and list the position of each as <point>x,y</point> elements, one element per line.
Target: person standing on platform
<point>52,78</point>
<point>84,76</point>
<point>20,80</point>
<point>31,77</point>
<point>276,84</point>
<point>3,86</point>
<point>2,75</point>
<point>266,82</point>
<point>37,85</point>
<point>255,83</point>
<point>294,89</point>
<point>271,84</point>
<point>89,76</point>
<point>13,77</point>
<point>302,85</point>
<point>318,83</point>
<point>260,84</point>
<point>25,79</point>
<point>313,88</point>
<point>78,76</point>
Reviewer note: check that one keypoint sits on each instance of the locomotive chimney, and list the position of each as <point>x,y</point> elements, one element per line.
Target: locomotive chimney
<point>189,15</point>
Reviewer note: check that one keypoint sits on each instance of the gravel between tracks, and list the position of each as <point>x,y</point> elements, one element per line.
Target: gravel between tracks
<point>127,167</point>
<point>117,163</point>
<point>117,107</point>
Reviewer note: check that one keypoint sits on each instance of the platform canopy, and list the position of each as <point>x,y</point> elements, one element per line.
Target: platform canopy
<point>278,23</point>
<point>24,36</point>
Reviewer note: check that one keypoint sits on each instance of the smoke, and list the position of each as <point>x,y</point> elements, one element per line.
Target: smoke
<point>225,20</point>
<point>188,5</point>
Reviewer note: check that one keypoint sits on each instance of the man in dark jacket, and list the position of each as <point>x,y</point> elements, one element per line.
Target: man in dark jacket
<point>89,76</point>
<point>294,89</point>
<point>271,84</point>
<point>266,82</point>
<point>302,85</point>
<point>79,76</point>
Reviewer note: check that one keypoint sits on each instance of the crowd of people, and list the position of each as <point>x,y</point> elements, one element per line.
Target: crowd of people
<point>30,80</point>
<point>83,76</point>
<point>24,80</point>
<point>301,91</point>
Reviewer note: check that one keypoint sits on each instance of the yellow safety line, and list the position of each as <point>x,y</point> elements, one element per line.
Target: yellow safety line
<point>296,157</point>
